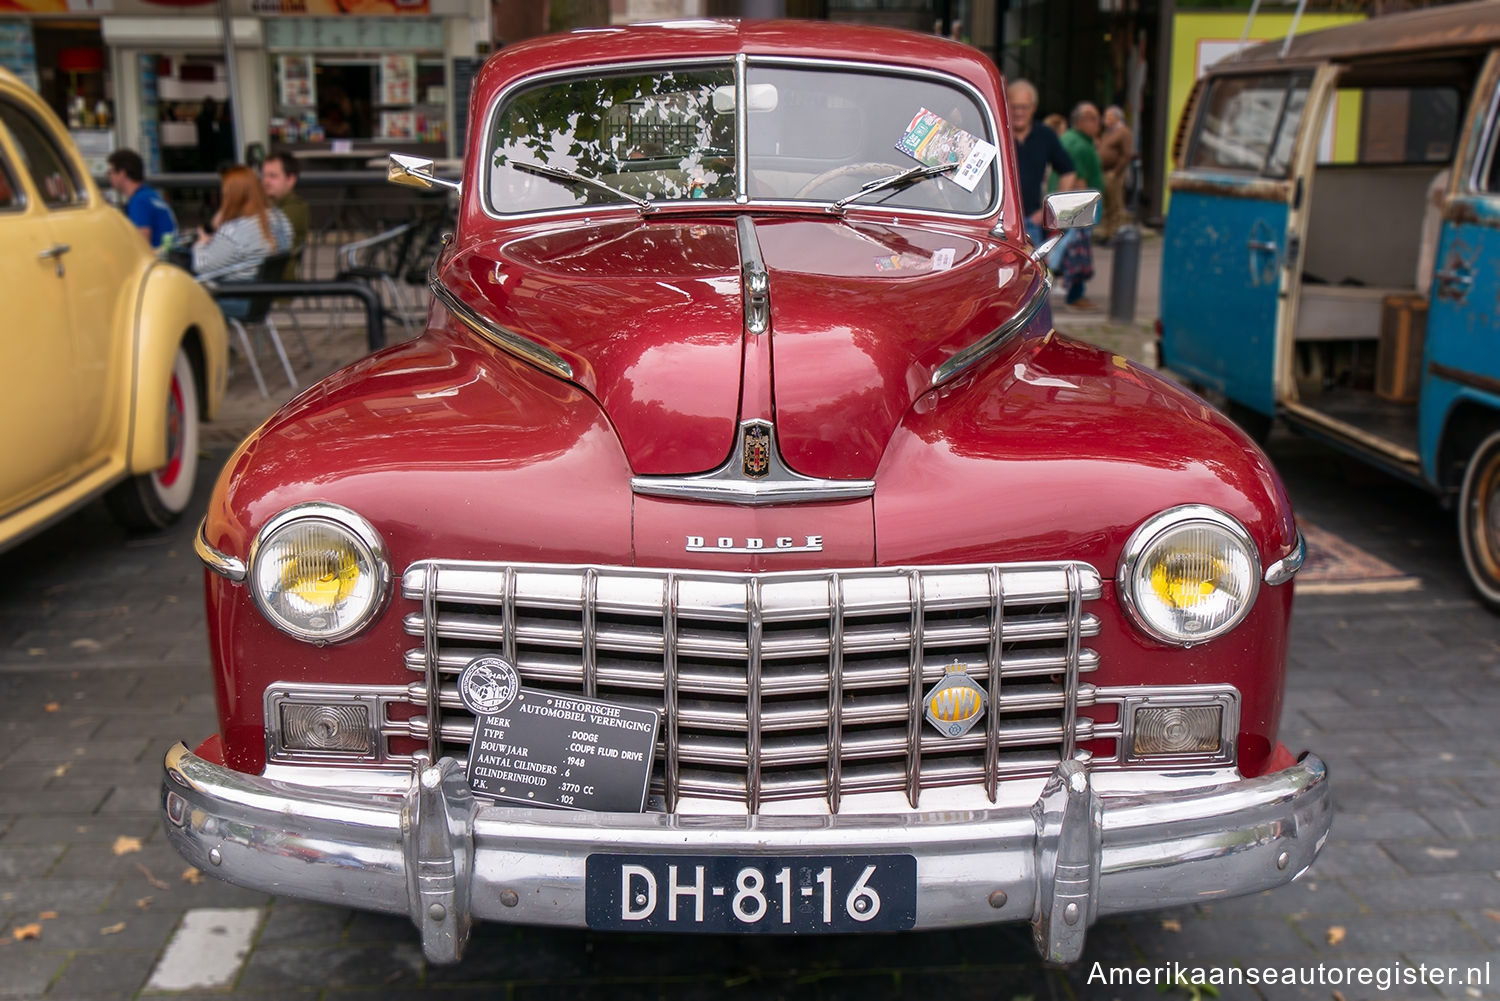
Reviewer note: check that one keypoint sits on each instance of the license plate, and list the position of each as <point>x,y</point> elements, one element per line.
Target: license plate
<point>789,894</point>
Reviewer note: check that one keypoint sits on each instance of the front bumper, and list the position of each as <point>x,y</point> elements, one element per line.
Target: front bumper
<point>443,858</point>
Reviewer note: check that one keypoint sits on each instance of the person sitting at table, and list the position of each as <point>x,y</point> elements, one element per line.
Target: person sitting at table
<point>278,175</point>
<point>246,230</point>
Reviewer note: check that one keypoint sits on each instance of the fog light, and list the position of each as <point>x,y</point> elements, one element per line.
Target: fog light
<point>307,727</point>
<point>1177,729</point>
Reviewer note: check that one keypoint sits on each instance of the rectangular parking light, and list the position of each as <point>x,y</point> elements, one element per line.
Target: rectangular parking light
<point>309,726</point>
<point>1177,729</point>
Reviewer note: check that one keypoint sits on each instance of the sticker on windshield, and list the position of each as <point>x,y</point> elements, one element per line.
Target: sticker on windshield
<point>932,139</point>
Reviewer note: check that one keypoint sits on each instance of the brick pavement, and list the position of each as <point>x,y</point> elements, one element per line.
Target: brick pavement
<point>102,665</point>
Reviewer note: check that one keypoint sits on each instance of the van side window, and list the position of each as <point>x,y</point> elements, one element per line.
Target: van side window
<point>1249,123</point>
<point>1392,125</point>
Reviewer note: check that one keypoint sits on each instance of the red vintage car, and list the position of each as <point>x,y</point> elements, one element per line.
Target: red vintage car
<point>740,548</point>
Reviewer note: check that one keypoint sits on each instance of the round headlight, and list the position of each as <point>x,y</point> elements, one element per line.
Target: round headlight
<point>319,572</point>
<point>1189,574</point>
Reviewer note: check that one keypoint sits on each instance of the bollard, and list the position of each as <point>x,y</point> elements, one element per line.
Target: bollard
<point>1124,273</point>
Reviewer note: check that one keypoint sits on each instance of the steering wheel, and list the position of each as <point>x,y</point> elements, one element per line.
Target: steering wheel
<point>846,180</point>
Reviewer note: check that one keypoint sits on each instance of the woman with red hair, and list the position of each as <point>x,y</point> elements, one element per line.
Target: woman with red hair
<point>248,228</point>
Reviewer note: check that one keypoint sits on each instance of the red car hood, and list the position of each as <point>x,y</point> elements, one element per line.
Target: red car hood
<point>649,314</point>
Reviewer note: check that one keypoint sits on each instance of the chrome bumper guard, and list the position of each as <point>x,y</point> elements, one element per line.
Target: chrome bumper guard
<point>443,858</point>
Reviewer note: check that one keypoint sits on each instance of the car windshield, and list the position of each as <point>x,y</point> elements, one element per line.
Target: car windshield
<point>668,134</point>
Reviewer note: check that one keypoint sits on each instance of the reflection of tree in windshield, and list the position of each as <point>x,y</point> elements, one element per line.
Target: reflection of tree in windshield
<point>654,135</point>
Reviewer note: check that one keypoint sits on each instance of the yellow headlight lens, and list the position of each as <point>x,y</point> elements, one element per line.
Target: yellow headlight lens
<point>1189,574</point>
<point>318,577</point>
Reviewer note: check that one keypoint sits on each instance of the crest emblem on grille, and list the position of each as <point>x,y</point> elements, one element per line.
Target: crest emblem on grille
<point>956,703</point>
<point>488,684</point>
<point>755,450</point>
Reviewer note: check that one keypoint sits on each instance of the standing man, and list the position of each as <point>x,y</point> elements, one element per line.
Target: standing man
<point>1036,149</point>
<point>1074,258</point>
<point>1116,149</point>
<point>144,207</point>
<point>278,175</point>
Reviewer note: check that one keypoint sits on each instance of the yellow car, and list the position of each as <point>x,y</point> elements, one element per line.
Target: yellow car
<point>109,358</point>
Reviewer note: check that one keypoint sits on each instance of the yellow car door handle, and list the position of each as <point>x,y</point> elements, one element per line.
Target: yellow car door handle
<point>55,252</point>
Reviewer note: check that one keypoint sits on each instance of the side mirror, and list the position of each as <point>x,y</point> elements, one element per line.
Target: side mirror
<point>1070,209</point>
<point>415,172</point>
<point>1066,210</point>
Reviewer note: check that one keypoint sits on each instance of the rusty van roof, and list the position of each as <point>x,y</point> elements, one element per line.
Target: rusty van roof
<point>1432,29</point>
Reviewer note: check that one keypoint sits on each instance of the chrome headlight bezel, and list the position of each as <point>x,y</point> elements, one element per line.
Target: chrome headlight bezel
<point>361,535</point>
<point>1155,530</point>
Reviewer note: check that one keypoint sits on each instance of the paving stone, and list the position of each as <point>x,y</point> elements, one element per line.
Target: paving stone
<point>61,895</point>
<point>77,829</point>
<point>26,968</point>
<point>93,861</point>
<point>1380,825</point>
<point>290,922</point>
<point>290,968</point>
<point>1387,794</point>
<point>1308,895</point>
<point>1226,940</point>
<point>1442,892</point>
<point>55,750</point>
<point>28,861</point>
<point>148,929</point>
<point>1447,856</point>
<point>1464,974</point>
<point>1389,934</point>
<point>104,976</point>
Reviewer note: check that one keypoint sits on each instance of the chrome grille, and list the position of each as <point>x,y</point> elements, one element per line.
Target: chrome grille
<point>779,685</point>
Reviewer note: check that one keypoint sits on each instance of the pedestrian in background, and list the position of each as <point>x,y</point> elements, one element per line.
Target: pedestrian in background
<point>1116,150</point>
<point>1036,150</point>
<point>1057,123</point>
<point>1073,258</point>
<point>248,229</point>
<point>278,175</point>
<point>147,209</point>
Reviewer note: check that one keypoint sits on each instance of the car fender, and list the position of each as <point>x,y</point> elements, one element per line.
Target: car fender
<point>171,310</point>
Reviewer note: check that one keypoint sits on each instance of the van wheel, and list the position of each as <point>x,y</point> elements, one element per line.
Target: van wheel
<point>1479,520</point>
<point>1254,423</point>
<point>156,499</point>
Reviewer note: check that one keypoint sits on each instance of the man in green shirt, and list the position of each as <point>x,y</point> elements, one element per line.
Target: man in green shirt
<point>278,175</point>
<point>1073,257</point>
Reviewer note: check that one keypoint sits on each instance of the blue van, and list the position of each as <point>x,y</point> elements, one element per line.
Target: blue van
<point>1332,250</point>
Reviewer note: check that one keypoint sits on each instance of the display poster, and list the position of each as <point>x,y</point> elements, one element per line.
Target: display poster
<point>398,79</point>
<point>56,6</point>
<point>296,82</point>
<point>398,125</point>
<point>18,51</point>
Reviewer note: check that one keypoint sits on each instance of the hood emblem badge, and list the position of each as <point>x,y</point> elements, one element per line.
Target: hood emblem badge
<point>755,450</point>
<point>956,703</point>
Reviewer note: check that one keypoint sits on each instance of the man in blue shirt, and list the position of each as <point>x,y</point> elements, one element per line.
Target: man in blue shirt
<point>147,209</point>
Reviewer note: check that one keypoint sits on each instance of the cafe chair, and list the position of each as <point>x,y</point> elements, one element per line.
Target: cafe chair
<point>255,312</point>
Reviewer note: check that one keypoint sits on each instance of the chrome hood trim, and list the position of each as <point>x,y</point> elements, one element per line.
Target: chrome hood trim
<point>728,484</point>
<point>1036,297</point>
<point>229,567</point>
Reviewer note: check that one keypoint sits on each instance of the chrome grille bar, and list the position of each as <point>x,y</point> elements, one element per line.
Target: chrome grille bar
<point>670,718</point>
<point>914,693</point>
<point>434,689</point>
<point>777,685</point>
<point>753,704</point>
<point>1070,687</point>
<point>835,690</point>
<point>997,672</point>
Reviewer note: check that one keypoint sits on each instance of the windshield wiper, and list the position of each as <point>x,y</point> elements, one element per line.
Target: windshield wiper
<point>900,180</point>
<point>560,174</point>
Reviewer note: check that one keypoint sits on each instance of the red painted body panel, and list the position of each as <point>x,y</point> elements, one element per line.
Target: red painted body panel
<point>1048,450</point>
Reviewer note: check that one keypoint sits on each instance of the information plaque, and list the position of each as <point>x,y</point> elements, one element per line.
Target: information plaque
<point>550,749</point>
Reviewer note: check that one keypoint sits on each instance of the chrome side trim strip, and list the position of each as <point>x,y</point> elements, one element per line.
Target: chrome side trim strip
<point>971,355</point>
<point>432,677</point>
<point>914,689</point>
<point>997,651</point>
<point>226,566</point>
<point>1070,686</point>
<point>755,610</point>
<point>835,691</point>
<point>673,767</point>
<point>1286,568</point>
<point>507,340</point>
<point>741,133</point>
<point>729,485</point>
